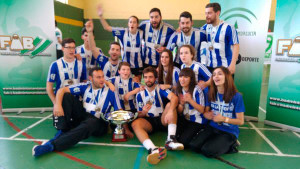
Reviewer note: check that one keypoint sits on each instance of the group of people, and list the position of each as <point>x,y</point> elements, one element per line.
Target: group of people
<point>188,93</point>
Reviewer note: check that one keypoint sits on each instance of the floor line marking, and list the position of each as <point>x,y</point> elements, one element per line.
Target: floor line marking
<point>25,117</point>
<point>31,126</point>
<point>269,154</point>
<point>263,110</point>
<point>298,135</point>
<point>266,139</point>
<point>229,163</point>
<point>250,128</point>
<point>140,146</point>
<point>138,159</point>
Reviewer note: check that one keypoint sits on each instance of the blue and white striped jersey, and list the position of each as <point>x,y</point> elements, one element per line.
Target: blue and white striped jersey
<point>189,112</point>
<point>154,98</point>
<point>221,38</point>
<point>61,72</point>
<point>123,87</point>
<point>87,56</point>
<point>195,39</point>
<point>175,76</point>
<point>201,72</point>
<point>155,38</point>
<point>131,46</point>
<point>95,101</point>
<point>108,69</point>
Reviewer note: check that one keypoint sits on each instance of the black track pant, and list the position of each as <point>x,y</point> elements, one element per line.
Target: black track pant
<point>212,142</point>
<point>76,124</point>
<point>187,130</point>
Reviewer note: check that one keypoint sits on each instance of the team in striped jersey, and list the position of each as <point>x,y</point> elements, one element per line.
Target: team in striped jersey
<point>144,47</point>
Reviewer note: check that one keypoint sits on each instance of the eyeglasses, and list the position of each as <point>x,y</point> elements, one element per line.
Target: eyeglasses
<point>69,47</point>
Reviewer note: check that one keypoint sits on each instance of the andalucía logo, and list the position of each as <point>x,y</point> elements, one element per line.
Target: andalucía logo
<point>244,14</point>
<point>24,46</point>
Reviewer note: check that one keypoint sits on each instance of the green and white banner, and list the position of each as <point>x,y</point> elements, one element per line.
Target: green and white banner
<point>283,104</point>
<point>251,19</point>
<point>27,48</point>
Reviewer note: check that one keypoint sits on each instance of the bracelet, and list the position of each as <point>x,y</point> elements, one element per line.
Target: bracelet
<point>226,120</point>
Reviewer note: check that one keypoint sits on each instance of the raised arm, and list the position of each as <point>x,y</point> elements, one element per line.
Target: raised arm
<point>89,25</point>
<point>105,25</point>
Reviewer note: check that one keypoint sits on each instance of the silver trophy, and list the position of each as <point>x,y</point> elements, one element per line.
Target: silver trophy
<point>119,118</point>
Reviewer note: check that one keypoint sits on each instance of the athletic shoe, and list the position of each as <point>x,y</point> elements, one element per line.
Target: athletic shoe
<point>156,155</point>
<point>39,150</point>
<point>58,133</point>
<point>173,144</point>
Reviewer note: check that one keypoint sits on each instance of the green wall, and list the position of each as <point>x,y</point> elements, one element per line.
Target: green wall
<point>70,12</point>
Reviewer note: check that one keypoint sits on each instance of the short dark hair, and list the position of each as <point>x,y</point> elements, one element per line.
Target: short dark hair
<point>137,19</point>
<point>83,30</point>
<point>115,43</point>
<point>123,64</point>
<point>216,6</point>
<point>94,69</point>
<point>67,40</point>
<point>186,14</point>
<point>155,10</point>
<point>150,69</point>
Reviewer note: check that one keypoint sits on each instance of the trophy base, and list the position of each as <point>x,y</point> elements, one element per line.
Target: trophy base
<point>119,138</point>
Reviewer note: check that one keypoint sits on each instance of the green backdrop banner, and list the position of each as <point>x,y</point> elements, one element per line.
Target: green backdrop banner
<point>27,48</point>
<point>251,19</point>
<point>283,104</point>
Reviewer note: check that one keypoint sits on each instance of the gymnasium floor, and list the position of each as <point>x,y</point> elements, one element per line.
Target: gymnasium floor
<point>262,146</point>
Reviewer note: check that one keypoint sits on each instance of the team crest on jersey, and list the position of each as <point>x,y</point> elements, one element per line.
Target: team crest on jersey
<point>76,89</point>
<point>141,104</point>
<point>101,58</point>
<point>52,76</point>
<point>117,33</point>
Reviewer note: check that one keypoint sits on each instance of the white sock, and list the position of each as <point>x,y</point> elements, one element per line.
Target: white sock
<point>148,144</point>
<point>171,130</point>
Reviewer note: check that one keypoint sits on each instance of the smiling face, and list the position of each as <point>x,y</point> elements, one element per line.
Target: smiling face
<point>185,24</point>
<point>114,52</point>
<point>124,71</point>
<point>184,81</point>
<point>149,79</point>
<point>69,50</point>
<point>155,19</point>
<point>97,79</point>
<point>165,59</point>
<point>186,55</point>
<point>132,24</point>
<point>218,77</point>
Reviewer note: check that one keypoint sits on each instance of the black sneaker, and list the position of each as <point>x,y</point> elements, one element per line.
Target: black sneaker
<point>173,144</point>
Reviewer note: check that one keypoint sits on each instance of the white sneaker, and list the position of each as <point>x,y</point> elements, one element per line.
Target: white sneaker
<point>156,155</point>
<point>173,144</point>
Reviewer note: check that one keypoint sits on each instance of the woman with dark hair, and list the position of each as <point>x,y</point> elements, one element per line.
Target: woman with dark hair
<point>191,106</point>
<point>168,74</point>
<point>226,110</point>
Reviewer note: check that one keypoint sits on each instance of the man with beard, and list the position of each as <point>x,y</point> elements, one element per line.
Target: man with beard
<point>80,119</point>
<point>153,117</point>
<point>108,65</point>
<point>221,37</point>
<point>187,36</point>
<point>156,36</point>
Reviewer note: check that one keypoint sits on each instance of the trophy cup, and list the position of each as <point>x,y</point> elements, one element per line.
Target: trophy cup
<point>119,118</point>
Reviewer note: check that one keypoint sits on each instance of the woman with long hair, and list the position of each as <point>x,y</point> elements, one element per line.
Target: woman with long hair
<point>187,56</point>
<point>168,74</point>
<point>191,106</point>
<point>226,111</point>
